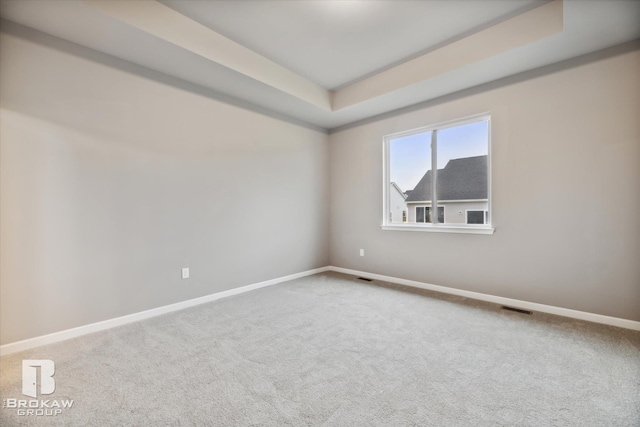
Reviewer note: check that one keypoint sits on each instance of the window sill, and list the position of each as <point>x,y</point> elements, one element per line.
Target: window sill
<point>468,229</point>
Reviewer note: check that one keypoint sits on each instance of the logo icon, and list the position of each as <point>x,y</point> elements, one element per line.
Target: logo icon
<point>30,377</point>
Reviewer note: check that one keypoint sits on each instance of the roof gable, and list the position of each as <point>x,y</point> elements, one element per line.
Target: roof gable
<point>461,179</point>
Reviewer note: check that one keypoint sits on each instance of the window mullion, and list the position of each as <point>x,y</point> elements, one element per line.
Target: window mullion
<point>434,177</point>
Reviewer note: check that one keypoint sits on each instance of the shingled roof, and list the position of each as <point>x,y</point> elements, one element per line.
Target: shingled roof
<point>461,179</point>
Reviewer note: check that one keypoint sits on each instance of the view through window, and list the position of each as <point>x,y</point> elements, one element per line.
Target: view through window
<point>445,166</point>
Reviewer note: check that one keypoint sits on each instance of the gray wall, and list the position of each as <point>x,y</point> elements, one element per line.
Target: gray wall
<point>111,182</point>
<point>566,194</point>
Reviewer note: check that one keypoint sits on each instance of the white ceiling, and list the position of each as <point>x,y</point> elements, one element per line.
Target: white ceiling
<point>336,42</point>
<point>307,53</point>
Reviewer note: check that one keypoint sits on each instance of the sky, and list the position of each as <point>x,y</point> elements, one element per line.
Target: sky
<point>410,156</point>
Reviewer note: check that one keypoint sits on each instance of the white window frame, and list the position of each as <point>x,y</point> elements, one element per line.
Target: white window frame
<point>444,212</point>
<point>485,214</point>
<point>438,227</point>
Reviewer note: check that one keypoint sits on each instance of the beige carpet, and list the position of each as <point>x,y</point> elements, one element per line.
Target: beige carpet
<point>329,350</point>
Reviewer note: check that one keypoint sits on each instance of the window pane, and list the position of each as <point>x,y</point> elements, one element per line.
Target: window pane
<point>462,176</point>
<point>475,217</point>
<point>410,176</point>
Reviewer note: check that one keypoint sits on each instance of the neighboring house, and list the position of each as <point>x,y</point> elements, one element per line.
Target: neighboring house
<point>398,206</point>
<point>462,193</point>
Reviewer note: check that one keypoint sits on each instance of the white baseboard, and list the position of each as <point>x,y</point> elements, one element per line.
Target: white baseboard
<point>135,317</point>
<point>130,318</point>
<point>559,311</point>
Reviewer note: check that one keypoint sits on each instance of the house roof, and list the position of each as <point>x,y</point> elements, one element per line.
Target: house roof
<point>461,179</point>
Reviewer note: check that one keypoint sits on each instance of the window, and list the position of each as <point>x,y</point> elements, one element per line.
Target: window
<point>423,214</point>
<point>477,217</point>
<point>445,165</point>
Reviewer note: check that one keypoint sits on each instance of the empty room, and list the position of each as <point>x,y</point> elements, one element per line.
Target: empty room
<point>320,213</point>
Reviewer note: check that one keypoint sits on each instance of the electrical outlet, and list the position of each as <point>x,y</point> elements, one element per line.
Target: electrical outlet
<point>361,252</point>
<point>185,273</point>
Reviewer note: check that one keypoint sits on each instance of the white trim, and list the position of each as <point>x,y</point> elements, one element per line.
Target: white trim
<point>135,317</point>
<point>444,213</point>
<point>440,126</point>
<point>489,173</point>
<point>440,228</point>
<point>386,175</point>
<point>558,311</point>
<point>386,178</point>
<point>449,201</point>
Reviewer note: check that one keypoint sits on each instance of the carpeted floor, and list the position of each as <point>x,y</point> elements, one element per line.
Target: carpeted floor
<point>330,350</point>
